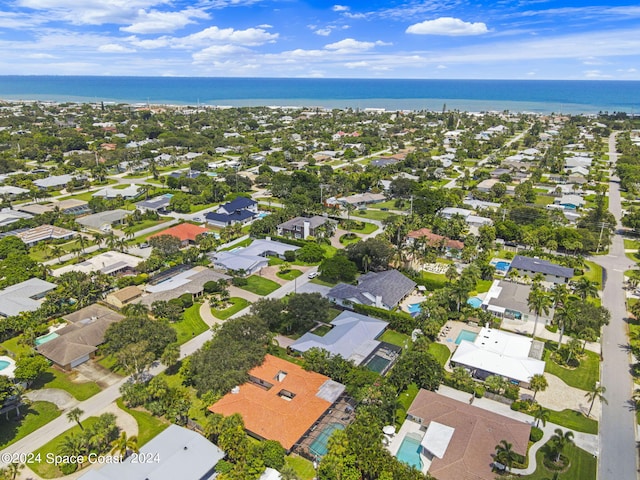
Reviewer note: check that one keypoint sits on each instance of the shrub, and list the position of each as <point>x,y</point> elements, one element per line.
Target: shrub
<point>239,281</point>
<point>68,468</point>
<point>186,299</point>
<point>478,391</point>
<point>536,434</point>
<point>512,392</point>
<point>290,255</point>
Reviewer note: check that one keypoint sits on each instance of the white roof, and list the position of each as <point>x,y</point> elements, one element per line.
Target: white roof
<point>10,190</point>
<point>20,297</point>
<point>107,262</point>
<point>500,353</point>
<point>53,181</point>
<point>109,192</point>
<point>436,439</point>
<point>270,474</point>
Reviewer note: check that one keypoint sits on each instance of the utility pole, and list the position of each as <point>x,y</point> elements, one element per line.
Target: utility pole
<point>411,207</point>
<point>600,237</point>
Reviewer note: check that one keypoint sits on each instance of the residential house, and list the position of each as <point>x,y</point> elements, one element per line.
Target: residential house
<point>177,282</point>
<point>449,212</point>
<point>159,204</point>
<point>377,289</point>
<point>78,341</point>
<point>121,298</point>
<point>303,227</point>
<point>361,199</point>
<point>240,210</point>
<point>109,263</point>
<point>530,266</point>
<point>487,185</point>
<point>457,440</point>
<point>509,300</point>
<point>53,182</point>
<point>25,296</point>
<point>281,401</point>
<point>250,259</point>
<point>514,357</point>
<point>383,162</point>
<point>353,336</point>
<point>32,236</point>
<point>128,193</point>
<point>176,452</point>
<point>434,240</point>
<point>8,216</point>
<point>185,232</point>
<point>103,221</point>
<point>570,202</point>
<point>10,191</point>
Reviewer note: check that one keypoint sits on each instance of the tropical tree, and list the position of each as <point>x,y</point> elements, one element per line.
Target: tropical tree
<point>13,469</point>
<point>136,310</point>
<point>73,446</point>
<point>505,454</point>
<point>538,302</point>
<point>124,445</point>
<point>541,414</point>
<point>538,383</point>
<point>560,440</point>
<point>596,393</point>
<point>585,288</point>
<point>573,347</point>
<point>74,416</point>
<point>567,316</point>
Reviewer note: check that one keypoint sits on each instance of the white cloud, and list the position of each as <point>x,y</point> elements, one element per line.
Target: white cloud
<point>448,26</point>
<point>114,48</point>
<point>340,8</point>
<point>323,32</point>
<point>356,64</point>
<point>352,45</point>
<point>218,52</point>
<point>155,21</point>
<point>596,74</point>
<point>40,56</point>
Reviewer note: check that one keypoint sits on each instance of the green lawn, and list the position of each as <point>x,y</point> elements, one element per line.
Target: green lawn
<point>574,421</point>
<point>372,214</point>
<point>146,224</point>
<point>347,240</point>
<point>14,346</point>
<point>432,281</point>
<point>53,378</point>
<point>543,200</point>
<point>303,467</point>
<point>260,286</point>
<point>289,274</point>
<point>583,377</point>
<point>281,352</point>
<point>395,338</point>
<point>238,304</point>
<point>366,229</point>
<point>49,470</point>
<point>148,425</point>
<point>244,243</point>
<point>483,286</point>
<point>583,466</point>
<point>593,272</point>
<point>319,281</point>
<point>628,243</point>
<point>441,352</point>
<point>33,417</point>
<point>190,325</point>
<point>405,399</point>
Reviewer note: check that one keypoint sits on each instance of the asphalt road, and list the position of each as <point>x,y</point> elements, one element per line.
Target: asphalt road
<point>618,453</point>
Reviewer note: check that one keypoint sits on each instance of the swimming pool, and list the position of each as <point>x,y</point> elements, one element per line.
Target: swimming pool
<point>409,452</point>
<point>4,364</point>
<point>466,335</point>
<point>475,302</point>
<point>502,266</point>
<point>262,215</point>
<point>319,445</point>
<point>414,308</point>
<point>46,338</point>
<point>378,364</point>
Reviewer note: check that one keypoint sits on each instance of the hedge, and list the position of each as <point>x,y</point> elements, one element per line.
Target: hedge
<point>399,321</point>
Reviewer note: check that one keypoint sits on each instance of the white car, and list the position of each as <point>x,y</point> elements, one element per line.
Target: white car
<point>312,275</point>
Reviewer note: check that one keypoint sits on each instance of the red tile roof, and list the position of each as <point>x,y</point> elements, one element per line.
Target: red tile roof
<point>434,239</point>
<point>266,413</point>
<point>184,231</point>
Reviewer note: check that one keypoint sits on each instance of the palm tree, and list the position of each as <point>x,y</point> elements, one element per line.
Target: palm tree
<point>72,445</point>
<point>559,294</point>
<point>538,383</point>
<point>573,346</point>
<point>366,261</point>
<point>505,454</point>
<point>585,288</point>
<point>560,440</point>
<point>124,444</point>
<point>541,414</point>
<point>74,416</point>
<point>57,251</point>
<point>597,392</point>
<point>136,310</point>
<point>566,316</point>
<point>538,302</point>
<point>13,469</point>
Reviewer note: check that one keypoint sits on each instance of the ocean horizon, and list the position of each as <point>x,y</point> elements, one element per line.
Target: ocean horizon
<point>535,96</point>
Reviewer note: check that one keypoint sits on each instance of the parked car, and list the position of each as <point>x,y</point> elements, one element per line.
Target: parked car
<point>312,275</point>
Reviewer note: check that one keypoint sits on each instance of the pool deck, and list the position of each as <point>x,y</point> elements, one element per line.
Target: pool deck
<point>396,440</point>
<point>413,298</point>
<point>450,332</point>
<point>9,370</point>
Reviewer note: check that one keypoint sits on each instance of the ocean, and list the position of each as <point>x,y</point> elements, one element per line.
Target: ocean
<point>537,96</point>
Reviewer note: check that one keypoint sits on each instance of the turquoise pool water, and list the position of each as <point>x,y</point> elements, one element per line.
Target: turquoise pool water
<point>319,445</point>
<point>409,452</point>
<point>466,335</point>
<point>4,364</point>
<point>46,338</point>
<point>262,215</point>
<point>475,302</point>
<point>502,266</point>
<point>414,308</point>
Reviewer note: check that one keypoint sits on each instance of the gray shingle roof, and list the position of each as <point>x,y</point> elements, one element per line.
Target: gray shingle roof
<point>391,286</point>
<point>540,266</point>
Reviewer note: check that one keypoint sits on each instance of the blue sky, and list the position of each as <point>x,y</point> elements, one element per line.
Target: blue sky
<point>526,39</point>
